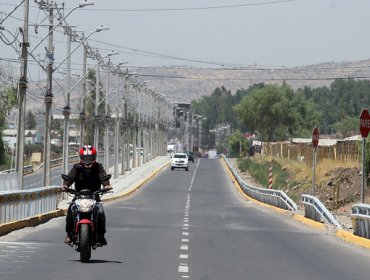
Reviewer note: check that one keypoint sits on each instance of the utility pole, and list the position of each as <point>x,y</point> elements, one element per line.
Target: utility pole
<point>48,99</point>
<point>22,97</point>
<point>67,107</point>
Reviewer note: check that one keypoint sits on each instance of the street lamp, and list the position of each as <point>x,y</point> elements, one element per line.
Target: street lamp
<point>41,2</point>
<point>49,93</point>
<point>23,87</point>
<point>97,97</point>
<point>67,108</point>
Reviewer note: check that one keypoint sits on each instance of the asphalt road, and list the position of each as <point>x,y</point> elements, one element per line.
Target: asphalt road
<point>187,225</point>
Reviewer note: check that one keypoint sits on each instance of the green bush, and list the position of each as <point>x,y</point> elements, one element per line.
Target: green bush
<point>260,172</point>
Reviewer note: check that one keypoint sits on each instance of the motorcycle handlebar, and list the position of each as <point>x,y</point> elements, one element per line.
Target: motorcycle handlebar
<point>100,191</point>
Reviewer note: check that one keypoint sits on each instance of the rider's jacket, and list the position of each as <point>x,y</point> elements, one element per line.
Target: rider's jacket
<point>87,178</point>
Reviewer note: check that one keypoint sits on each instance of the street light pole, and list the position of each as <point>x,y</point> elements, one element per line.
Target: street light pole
<point>83,99</point>
<point>96,114</point>
<point>106,122</point>
<point>49,91</point>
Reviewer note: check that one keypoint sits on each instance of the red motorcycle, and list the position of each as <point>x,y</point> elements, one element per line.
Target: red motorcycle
<point>85,235</point>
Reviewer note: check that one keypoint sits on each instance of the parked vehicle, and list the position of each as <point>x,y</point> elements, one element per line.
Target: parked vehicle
<point>180,160</point>
<point>85,236</point>
<point>190,156</point>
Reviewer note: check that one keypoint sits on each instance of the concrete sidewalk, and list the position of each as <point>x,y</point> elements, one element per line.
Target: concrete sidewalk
<point>126,184</point>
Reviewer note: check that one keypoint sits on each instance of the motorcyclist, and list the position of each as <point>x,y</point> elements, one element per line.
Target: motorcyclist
<point>86,175</point>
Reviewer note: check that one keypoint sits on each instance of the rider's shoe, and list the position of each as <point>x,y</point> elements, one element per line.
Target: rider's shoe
<point>68,240</point>
<point>102,240</point>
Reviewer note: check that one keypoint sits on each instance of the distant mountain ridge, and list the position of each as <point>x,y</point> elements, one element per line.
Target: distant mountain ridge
<point>184,84</point>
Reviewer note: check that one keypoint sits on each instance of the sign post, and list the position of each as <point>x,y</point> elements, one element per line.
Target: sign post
<point>315,143</point>
<point>364,129</point>
<point>270,177</point>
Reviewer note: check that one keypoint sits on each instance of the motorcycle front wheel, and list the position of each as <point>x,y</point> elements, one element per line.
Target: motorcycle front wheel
<point>85,248</point>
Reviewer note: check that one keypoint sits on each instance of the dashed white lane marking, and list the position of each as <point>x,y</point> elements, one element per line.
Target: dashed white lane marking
<point>184,267</point>
<point>184,247</point>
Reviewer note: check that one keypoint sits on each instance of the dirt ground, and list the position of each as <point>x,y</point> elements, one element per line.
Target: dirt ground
<point>339,191</point>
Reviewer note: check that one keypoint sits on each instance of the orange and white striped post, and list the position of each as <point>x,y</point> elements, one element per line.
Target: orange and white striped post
<point>270,177</point>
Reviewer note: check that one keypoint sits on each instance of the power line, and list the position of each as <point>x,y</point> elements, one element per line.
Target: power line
<point>192,8</point>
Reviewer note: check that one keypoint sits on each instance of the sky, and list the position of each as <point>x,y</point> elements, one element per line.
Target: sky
<point>262,32</point>
<point>205,33</point>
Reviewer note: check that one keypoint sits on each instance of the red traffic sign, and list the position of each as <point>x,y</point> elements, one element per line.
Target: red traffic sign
<point>315,137</point>
<point>364,123</point>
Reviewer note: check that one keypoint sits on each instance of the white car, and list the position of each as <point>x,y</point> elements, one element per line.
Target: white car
<point>179,160</point>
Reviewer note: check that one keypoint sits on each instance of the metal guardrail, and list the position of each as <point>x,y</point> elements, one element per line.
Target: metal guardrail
<point>23,204</point>
<point>276,198</point>
<point>59,161</point>
<point>315,210</point>
<point>26,170</point>
<point>29,168</point>
<point>360,216</point>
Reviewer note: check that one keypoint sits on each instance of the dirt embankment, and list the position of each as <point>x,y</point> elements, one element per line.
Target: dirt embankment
<point>337,187</point>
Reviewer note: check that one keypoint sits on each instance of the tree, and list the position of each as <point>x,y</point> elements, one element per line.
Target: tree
<point>30,120</point>
<point>347,126</point>
<point>8,99</point>
<point>217,109</point>
<point>237,143</point>
<point>277,113</point>
<point>265,111</point>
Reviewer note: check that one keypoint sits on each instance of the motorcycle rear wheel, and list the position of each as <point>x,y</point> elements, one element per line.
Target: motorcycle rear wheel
<point>85,248</point>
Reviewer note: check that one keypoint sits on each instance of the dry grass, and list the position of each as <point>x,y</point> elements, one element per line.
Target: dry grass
<point>302,172</point>
<point>298,169</point>
<point>326,165</point>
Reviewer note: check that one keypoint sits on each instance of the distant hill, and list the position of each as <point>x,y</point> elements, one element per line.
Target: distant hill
<point>184,84</point>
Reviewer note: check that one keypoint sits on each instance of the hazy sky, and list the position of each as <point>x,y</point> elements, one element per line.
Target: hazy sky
<point>259,32</point>
<point>207,33</point>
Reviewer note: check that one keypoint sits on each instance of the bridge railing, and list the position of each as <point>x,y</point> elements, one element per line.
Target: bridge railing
<point>23,204</point>
<point>9,180</point>
<point>276,198</point>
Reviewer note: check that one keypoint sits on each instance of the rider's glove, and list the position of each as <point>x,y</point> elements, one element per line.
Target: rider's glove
<point>64,188</point>
<point>107,188</point>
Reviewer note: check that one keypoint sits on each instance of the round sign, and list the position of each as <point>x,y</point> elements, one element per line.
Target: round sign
<point>315,137</point>
<point>364,123</point>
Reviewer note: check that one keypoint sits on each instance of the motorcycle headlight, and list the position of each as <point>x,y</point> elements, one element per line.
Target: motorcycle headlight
<point>85,205</point>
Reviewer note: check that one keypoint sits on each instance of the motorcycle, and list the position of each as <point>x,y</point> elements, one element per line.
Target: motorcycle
<point>85,235</point>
